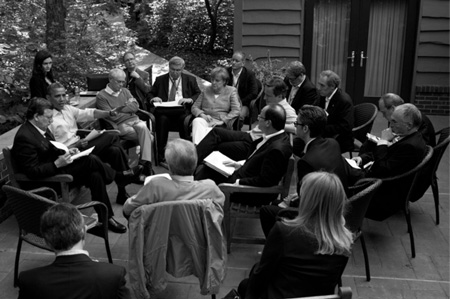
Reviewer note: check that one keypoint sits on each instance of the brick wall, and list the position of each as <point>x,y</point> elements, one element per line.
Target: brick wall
<point>433,100</point>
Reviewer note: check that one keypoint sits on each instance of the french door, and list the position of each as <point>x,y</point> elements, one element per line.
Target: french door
<point>369,43</point>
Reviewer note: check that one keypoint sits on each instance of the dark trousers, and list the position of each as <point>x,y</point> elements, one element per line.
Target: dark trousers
<point>109,150</point>
<point>91,172</point>
<point>169,119</point>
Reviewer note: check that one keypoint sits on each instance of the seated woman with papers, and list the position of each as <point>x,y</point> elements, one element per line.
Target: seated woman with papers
<point>217,105</point>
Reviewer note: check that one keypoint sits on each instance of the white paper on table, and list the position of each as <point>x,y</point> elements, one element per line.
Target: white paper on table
<point>167,104</point>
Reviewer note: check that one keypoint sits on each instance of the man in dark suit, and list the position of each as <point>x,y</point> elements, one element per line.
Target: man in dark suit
<point>244,80</point>
<point>301,91</point>
<point>400,148</point>
<point>319,154</point>
<point>137,81</point>
<point>266,160</point>
<point>339,108</point>
<point>173,86</point>
<point>73,274</point>
<point>37,157</point>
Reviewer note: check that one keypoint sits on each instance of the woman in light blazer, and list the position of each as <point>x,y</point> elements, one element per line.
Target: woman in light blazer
<point>217,105</point>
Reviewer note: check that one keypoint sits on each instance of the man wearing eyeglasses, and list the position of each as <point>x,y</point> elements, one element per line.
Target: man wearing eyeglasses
<point>175,86</point>
<point>137,81</point>
<point>114,96</point>
<point>301,91</point>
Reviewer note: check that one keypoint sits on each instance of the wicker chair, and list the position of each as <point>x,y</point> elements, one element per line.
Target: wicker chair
<point>364,115</point>
<point>409,180</point>
<point>28,207</point>
<point>232,210</point>
<point>356,210</point>
<point>343,293</point>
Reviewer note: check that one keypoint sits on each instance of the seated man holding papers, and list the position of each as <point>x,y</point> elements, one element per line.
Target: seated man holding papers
<point>266,159</point>
<point>106,145</point>
<point>181,157</point>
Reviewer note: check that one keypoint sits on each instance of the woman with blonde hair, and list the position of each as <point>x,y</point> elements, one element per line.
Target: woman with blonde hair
<point>305,256</point>
<point>217,105</point>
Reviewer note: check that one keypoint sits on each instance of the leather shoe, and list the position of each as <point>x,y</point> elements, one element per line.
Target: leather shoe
<point>129,176</point>
<point>148,170</point>
<point>115,226</point>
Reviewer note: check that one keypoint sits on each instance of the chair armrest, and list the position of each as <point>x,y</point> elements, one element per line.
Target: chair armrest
<point>59,178</point>
<point>45,192</point>
<point>231,188</point>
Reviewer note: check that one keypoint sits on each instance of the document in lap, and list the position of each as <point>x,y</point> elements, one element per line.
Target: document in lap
<point>215,161</point>
<point>95,133</point>
<point>66,149</point>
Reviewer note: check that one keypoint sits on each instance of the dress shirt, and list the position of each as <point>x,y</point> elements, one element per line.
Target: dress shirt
<point>39,130</point>
<point>64,126</point>
<point>236,78</point>
<point>294,90</point>
<point>178,84</point>
<point>265,139</point>
<point>306,145</point>
<point>112,92</point>
<point>327,99</point>
<point>72,252</point>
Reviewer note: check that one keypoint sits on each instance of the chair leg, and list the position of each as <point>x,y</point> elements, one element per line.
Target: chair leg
<point>435,188</point>
<point>366,256</point>
<point>411,233</point>
<point>108,251</point>
<point>227,220</point>
<point>16,263</point>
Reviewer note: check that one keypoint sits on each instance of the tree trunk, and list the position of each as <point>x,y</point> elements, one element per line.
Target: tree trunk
<point>56,27</point>
<point>212,14</point>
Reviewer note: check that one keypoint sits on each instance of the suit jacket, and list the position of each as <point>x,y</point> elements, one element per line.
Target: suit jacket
<point>247,86</point>
<point>267,165</point>
<point>142,86</point>
<point>74,276</point>
<point>323,154</point>
<point>390,161</point>
<point>290,268</point>
<point>188,84</point>
<point>33,153</point>
<point>225,107</point>
<point>306,94</point>
<point>340,119</point>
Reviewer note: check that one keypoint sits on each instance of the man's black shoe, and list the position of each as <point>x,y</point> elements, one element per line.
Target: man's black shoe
<point>148,170</point>
<point>129,176</point>
<point>116,227</point>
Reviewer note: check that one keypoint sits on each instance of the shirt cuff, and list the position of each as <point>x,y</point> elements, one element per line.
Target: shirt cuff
<point>382,142</point>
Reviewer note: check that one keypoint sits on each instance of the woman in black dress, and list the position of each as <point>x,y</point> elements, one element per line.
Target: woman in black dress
<point>42,75</point>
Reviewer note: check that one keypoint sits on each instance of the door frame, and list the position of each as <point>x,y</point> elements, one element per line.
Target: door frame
<point>356,91</point>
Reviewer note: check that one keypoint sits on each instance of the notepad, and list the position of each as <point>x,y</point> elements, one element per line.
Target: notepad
<point>215,161</point>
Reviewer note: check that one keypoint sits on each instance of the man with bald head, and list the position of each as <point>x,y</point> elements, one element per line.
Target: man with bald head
<point>128,123</point>
<point>301,91</point>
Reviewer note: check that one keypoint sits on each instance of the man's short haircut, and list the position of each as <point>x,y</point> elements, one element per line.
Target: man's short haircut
<point>296,68</point>
<point>314,117</point>
<point>181,157</point>
<point>220,72</point>
<point>37,106</point>
<point>54,86</point>
<point>114,73</point>
<point>276,114</point>
<point>332,78</point>
<point>176,61</point>
<point>410,114</point>
<point>126,53</point>
<point>240,53</point>
<point>391,99</point>
<point>279,87</point>
<point>62,226</point>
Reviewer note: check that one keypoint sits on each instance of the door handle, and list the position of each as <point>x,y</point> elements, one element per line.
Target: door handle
<point>352,63</point>
<point>361,62</point>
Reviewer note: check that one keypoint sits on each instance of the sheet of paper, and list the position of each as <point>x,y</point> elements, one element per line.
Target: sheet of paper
<point>352,163</point>
<point>94,134</point>
<point>60,146</point>
<point>83,153</point>
<point>167,104</point>
<point>215,161</point>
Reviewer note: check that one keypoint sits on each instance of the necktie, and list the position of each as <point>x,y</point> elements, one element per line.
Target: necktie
<point>49,135</point>
<point>173,91</point>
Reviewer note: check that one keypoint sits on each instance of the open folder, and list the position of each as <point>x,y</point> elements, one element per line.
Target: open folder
<point>66,149</point>
<point>215,161</point>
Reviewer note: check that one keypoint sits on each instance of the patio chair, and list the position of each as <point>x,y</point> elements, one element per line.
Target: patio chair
<point>343,293</point>
<point>28,207</point>
<point>364,115</point>
<point>404,186</point>
<point>256,105</point>
<point>356,210</point>
<point>236,210</point>
<point>182,238</point>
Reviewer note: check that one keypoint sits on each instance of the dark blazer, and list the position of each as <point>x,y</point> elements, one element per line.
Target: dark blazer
<point>340,119</point>
<point>323,154</point>
<point>306,95</point>
<point>74,276</point>
<point>142,86</point>
<point>267,165</point>
<point>390,161</point>
<point>247,86</point>
<point>38,87</point>
<point>289,268</point>
<point>188,84</point>
<point>34,154</point>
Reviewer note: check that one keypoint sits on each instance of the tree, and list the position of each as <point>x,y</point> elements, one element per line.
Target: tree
<point>56,25</point>
<point>212,14</point>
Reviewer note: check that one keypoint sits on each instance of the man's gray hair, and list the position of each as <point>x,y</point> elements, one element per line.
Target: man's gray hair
<point>181,157</point>
<point>114,73</point>
<point>296,68</point>
<point>176,61</point>
<point>410,114</point>
<point>332,78</point>
<point>391,99</point>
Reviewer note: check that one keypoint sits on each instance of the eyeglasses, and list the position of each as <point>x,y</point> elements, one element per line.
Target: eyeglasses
<point>176,70</point>
<point>296,123</point>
